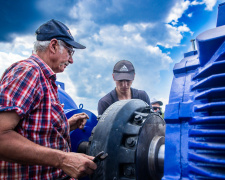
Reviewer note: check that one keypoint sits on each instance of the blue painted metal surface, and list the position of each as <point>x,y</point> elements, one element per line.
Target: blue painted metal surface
<point>65,98</point>
<point>195,115</point>
<point>77,136</point>
<point>221,14</point>
<point>70,108</point>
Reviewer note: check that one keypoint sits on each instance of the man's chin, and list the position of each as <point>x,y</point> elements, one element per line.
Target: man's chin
<point>61,69</point>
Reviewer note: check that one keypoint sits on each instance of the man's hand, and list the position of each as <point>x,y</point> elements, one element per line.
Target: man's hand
<point>78,165</point>
<point>78,121</point>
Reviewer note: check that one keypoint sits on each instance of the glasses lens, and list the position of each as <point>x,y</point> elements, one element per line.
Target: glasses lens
<point>156,108</point>
<point>70,50</point>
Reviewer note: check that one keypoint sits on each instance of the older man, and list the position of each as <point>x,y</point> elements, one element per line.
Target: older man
<point>34,131</point>
<point>123,75</point>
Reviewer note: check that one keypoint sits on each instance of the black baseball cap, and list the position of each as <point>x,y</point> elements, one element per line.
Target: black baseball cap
<point>55,29</point>
<point>123,70</point>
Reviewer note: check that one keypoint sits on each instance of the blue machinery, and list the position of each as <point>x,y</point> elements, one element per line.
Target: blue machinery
<point>195,115</point>
<point>192,146</point>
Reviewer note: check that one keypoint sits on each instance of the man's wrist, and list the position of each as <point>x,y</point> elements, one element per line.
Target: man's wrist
<point>59,157</point>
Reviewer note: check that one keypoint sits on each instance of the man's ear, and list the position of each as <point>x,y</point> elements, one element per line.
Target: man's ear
<point>113,77</point>
<point>53,46</point>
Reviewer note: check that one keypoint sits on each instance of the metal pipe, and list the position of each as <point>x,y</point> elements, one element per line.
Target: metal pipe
<point>193,44</point>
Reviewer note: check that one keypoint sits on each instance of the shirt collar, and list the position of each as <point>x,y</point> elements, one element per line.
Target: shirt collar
<point>48,72</point>
<point>133,95</point>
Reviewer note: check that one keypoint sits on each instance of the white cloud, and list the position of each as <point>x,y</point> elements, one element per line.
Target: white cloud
<point>183,28</point>
<point>25,53</point>
<point>208,3</point>
<point>6,59</point>
<point>129,28</point>
<point>70,87</point>
<point>15,51</point>
<point>173,35</point>
<point>177,11</point>
<point>181,6</point>
<point>190,15</point>
<point>135,27</point>
<point>74,12</point>
<point>80,10</point>
<point>98,76</point>
<point>25,42</point>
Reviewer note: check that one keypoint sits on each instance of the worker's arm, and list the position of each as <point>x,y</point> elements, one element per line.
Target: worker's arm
<point>16,148</point>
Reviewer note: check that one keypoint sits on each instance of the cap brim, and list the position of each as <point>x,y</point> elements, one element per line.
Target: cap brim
<point>75,44</point>
<point>159,102</point>
<point>124,76</point>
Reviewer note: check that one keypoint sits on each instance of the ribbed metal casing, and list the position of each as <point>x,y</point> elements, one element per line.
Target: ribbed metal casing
<point>206,140</point>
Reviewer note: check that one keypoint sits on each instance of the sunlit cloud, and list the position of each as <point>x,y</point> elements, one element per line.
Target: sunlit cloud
<point>177,11</point>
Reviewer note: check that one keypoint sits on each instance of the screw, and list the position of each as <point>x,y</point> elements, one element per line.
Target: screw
<point>138,119</point>
<point>130,141</point>
<point>98,118</point>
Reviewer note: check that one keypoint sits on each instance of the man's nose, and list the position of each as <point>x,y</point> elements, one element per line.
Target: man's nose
<point>71,60</point>
<point>125,83</point>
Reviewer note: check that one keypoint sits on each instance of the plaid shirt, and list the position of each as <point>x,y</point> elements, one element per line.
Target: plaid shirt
<point>29,88</point>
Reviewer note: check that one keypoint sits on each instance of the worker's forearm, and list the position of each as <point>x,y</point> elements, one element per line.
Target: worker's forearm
<point>16,148</point>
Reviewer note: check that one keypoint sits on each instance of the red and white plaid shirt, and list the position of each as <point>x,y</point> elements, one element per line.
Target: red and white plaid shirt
<point>29,88</point>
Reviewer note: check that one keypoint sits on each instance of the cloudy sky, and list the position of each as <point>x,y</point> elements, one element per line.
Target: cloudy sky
<point>152,34</point>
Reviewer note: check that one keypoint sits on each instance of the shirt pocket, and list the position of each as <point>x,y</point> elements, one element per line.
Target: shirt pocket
<point>58,117</point>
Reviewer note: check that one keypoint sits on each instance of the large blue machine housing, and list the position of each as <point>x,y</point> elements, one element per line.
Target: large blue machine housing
<point>195,115</point>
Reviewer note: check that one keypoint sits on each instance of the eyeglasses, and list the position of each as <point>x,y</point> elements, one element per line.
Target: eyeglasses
<point>71,51</point>
<point>156,108</point>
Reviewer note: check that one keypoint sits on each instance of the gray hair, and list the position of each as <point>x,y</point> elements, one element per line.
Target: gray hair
<point>41,46</point>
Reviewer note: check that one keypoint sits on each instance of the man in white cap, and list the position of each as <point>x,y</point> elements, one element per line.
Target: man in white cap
<point>123,75</point>
<point>156,105</point>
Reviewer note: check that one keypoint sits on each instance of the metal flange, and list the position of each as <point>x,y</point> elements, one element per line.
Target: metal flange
<point>124,130</point>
